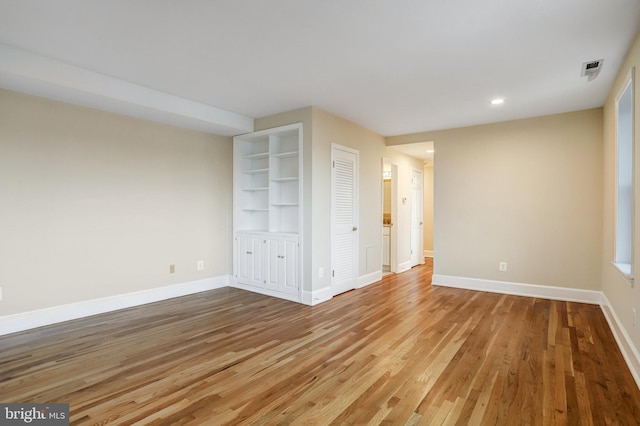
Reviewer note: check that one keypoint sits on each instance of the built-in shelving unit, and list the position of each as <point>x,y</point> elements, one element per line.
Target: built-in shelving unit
<point>267,210</point>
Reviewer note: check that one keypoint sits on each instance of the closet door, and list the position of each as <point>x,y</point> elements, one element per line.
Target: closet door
<point>344,219</point>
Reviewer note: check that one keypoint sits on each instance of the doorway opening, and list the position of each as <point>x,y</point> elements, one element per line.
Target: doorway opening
<point>389,215</point>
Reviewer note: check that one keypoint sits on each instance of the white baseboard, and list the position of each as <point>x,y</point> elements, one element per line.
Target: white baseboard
<point>428,253</point>
<point>324,294</point>
<point>404,266</point>
<point>316,297</point>
<point>629,351</point>
<point>267,292</point>
<point>47,316</point>
<point>365,280</point>
<point>520,289</point>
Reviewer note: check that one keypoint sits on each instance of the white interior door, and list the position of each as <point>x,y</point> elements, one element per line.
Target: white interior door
<point>417,207</point>
<point>344,219</point>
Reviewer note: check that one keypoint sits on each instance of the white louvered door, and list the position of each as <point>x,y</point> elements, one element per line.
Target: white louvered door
<point>344,219</point>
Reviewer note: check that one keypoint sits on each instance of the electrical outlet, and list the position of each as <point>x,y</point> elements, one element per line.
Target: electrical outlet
<point>0,293</point>
<point>200,265</point>
<point>502,266</point>
<point>320,272</point>
<point>172,269</point>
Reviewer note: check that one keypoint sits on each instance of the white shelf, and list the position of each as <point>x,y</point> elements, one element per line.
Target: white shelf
<point>252,230</point>
<point>290,154</point>
<point>264,188</point>
<point>255,210</point>
<point>255,171</point>
<point>285,204</point>
<point>285,179</point>
<point>256,156</point>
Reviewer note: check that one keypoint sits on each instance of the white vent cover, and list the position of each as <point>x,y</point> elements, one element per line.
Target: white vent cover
<point>591,69</point>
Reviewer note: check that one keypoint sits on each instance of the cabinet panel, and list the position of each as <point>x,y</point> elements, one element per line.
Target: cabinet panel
<point>289,265</point>
<point>258,267</point>
<point>250,262</point>
<point>242,258</point>
<point>273,260</point>
<point>282,260</point>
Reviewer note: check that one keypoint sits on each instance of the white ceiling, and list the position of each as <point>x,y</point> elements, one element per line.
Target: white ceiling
<point>393,66</point>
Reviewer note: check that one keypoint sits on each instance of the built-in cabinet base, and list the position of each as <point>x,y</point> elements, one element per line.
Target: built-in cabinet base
<point>267,261</point>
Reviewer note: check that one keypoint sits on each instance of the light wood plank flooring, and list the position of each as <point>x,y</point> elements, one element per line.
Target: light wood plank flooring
<point>397,352</point>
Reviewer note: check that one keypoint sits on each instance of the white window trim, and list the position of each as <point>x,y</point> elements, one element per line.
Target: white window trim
<point>625,269</point>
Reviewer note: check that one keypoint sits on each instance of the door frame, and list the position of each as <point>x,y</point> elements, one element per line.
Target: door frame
<point>420,205</point>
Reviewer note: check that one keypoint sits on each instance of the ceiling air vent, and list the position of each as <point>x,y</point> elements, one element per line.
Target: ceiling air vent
<point>591,69</point>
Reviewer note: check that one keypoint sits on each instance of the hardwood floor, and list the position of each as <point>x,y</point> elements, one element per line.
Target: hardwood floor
<point>397,352</point>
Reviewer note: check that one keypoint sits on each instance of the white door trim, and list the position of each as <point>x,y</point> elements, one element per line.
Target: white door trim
<point>417,258</point>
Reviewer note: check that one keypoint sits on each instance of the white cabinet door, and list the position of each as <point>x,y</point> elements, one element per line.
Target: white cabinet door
<point>251,265</point>
<point>243,267</point>
<point>282,261</point>
<point>288,265</point>
<point>257,261</point>
<point>273,263</point>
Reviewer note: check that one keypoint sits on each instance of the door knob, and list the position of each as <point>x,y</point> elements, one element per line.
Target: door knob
<point>355,228</point>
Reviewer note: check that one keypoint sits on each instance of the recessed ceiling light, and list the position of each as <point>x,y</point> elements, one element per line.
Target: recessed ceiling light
<point>497,101</point>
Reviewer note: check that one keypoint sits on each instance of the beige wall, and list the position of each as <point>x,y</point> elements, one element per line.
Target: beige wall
<point>622,296</point>
<point>96,204</point>
<point>527,192</point>
<point>428,208</point>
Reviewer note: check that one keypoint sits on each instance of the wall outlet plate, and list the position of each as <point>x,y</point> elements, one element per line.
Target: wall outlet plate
<point>502,266</point>
<point>200,265</point>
